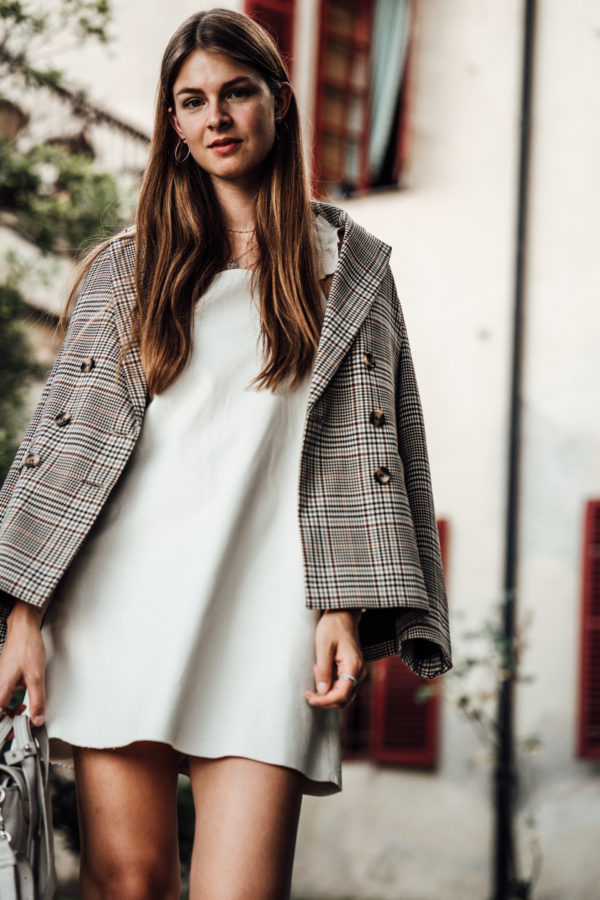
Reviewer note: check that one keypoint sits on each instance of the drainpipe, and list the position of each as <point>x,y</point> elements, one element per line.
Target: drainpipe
<point>506,879</point>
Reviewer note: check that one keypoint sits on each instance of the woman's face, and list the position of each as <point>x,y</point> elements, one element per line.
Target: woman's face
<point>225,112</point>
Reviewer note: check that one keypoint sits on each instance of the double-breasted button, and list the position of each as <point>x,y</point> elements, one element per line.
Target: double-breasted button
<point>382,475</point>
<point>377,418</point>
<point>87,364</point>
<point>63,418</point>
<point>368,360</point>
<point>31,460</point>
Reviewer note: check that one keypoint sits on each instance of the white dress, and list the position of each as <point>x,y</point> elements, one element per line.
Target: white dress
<point>183,617</point>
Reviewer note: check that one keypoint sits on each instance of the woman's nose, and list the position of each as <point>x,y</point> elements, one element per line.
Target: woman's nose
<point>217,115</point>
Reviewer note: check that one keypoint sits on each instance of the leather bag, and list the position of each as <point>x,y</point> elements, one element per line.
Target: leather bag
<point>26,840</point>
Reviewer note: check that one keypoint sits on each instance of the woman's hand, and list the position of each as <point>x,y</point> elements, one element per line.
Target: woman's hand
<point>336,640</point>
<point>23,660</point>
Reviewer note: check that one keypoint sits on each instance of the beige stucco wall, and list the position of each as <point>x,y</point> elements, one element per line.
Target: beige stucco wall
<point>400,834</point>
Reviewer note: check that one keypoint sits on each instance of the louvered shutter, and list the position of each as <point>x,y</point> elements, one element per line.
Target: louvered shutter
<point>277,16</point>
<point>405,726</point>
<point>356,722</point>
<point>589,685</point>
<point>391,721</point>
<point>405,707</point>
<point>342,108</point>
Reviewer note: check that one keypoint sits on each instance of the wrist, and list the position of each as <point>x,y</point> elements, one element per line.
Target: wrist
<point>354,612</point>
<point>25,614</point>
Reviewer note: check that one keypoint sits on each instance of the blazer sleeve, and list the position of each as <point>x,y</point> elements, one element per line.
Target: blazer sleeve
<point>94,293</point>
<point>425,641</point>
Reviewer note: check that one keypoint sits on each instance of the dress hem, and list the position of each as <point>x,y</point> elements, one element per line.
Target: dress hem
<point>61,755</point>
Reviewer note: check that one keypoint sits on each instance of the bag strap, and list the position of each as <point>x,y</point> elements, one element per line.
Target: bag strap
<point>6,724</point>
<point>45,858</point>
<point>24,750</point>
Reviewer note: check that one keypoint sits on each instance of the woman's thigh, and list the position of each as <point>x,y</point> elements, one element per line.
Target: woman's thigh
<point>246,823</point>
<point>127,809</point>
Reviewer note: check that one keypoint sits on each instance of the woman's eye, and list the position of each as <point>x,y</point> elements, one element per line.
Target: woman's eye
<point>237,93</point>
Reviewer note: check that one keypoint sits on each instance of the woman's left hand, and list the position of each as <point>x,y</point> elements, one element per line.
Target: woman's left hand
<point>337,641</point>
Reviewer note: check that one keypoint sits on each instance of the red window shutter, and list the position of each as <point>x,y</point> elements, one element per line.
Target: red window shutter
<point>342,109</point>
<point>277,16</point>
<point>589,684</point>
<point>405,728</point>
<point>356,722</point>
<point>390,721</point>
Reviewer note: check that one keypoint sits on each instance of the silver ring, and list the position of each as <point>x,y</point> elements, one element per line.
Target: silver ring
<point>350,678</point>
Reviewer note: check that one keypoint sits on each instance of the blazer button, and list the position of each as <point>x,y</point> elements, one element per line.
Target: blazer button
<point>88,364</point>
<point>368,360</point>
<point>377,418</point>
<point>63,418</point>
<point>31,460</point>
<point>382,475</point>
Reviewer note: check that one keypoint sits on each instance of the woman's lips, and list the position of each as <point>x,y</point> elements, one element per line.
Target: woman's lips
<point>223,149</point>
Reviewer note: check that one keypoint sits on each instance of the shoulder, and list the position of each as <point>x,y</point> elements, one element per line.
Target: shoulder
<point>363,246</point>
<point>113,261</point>
<point>114,255</point>
<point>121,249</point>
<point>106,276</point>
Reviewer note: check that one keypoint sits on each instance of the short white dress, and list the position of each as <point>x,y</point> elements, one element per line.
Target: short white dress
<point>183,617</point>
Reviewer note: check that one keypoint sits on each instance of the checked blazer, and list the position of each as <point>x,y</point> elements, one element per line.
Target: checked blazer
<point>365,506</point>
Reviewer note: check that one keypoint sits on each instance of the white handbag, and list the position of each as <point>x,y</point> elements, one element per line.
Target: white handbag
<point>26,839</point>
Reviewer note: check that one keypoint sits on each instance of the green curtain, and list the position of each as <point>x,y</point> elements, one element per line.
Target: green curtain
<point>391,27</point>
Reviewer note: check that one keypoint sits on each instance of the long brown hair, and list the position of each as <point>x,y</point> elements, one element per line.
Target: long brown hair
<point>181,241</point>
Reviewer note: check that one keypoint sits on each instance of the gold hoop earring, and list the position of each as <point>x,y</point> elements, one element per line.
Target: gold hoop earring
<point>176,151</point>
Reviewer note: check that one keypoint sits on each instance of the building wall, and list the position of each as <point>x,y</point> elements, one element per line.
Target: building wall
<point>453,238</point>
<point>561,463</point>
<point>398,833</point>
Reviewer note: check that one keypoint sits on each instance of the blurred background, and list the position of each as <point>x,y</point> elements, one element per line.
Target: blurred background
<point>466,134</point>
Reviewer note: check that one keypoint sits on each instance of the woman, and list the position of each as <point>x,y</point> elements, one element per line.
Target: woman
<point>259,531</point>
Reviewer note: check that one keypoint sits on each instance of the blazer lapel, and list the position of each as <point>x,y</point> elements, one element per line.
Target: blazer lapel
<point>359,273</point>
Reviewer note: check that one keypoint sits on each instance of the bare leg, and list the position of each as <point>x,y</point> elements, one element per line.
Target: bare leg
<point>126,801</point>
<point>246,823</point>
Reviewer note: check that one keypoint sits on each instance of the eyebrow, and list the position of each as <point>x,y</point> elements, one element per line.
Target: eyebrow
<point>225,86</point>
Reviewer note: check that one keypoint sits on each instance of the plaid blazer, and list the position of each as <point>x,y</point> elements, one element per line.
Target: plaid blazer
<point>365,506</point>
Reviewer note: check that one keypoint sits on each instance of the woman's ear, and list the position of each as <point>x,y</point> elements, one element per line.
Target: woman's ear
<point>283,98</point>
<point>174,123</point>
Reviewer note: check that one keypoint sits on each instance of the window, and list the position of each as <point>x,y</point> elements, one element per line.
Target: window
<point>277,16</point>
<point>589,682</point>
<point>390,721</point>
<point>361,94</point>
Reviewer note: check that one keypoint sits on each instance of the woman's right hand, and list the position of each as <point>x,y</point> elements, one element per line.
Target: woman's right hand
<point>23,659</point>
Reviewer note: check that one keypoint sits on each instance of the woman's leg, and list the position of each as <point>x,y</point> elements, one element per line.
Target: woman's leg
<point>246,822</point>
<point>127,808</point>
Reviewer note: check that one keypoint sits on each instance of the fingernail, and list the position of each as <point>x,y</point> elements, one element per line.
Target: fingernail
<point>37,720</point>
<point>322,687</point>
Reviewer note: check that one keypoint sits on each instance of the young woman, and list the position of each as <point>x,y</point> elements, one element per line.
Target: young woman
<point>224,491</point>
